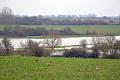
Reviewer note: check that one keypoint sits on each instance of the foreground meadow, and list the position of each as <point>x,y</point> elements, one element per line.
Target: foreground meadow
<point>45,68</point>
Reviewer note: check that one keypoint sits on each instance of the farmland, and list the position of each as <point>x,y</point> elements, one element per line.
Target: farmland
<point>115,29</point>
<point>47,68</point>
<point>84,28</point>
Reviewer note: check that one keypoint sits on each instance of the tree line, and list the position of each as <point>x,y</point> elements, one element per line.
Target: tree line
<point>7,17</point>
<point>21,31</point>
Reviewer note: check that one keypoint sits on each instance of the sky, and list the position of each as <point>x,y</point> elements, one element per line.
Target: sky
<point>63,7</point>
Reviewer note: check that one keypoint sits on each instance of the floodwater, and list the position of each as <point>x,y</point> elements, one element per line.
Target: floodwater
<point>16,42</point>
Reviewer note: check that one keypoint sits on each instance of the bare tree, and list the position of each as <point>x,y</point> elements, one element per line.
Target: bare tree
<point>6,46</point>
<point>83,44</point>
<point>6,16</point>
<point>96,41</point>
<point>32,48</point>
<point>108,45</point>
<point>52,39</point>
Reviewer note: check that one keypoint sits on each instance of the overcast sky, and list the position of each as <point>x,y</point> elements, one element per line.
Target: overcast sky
<point>65,7</point>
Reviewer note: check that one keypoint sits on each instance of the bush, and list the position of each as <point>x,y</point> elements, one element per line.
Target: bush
<point>92,55</point>
<point>112,56</point>
<point>31,48</point>
<point>42,52</point>
<point>80,53</point>
<point>47,52</point>
<point>74,53</point>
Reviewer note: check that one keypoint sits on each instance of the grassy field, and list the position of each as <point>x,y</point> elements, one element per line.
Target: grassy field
<point>79,28</point>
<point>34,68</point>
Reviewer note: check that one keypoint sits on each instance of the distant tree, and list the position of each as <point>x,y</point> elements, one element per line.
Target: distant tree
<point>52,39</point>
<point>67,29</point>
<point>6,16</point>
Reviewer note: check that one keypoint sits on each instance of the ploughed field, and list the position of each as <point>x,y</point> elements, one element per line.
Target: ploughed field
<point>50,68</point>
<point>115,29</point>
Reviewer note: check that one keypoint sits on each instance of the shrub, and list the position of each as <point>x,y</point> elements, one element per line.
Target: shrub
<point>112,56</point>
<point>92,55</point>
<point>31,48</point>
<point>74,53</point>
<point>80,53</point>
<point>42,52</point>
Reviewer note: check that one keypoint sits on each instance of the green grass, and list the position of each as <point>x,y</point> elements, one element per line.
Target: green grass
<point>27,68</point>
<point>82,28</point>
<point>79,28</point>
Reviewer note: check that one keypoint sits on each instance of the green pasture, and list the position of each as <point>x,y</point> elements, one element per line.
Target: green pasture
<point>50,68</point>
<point>115,29</point>
<point>82,28</point>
